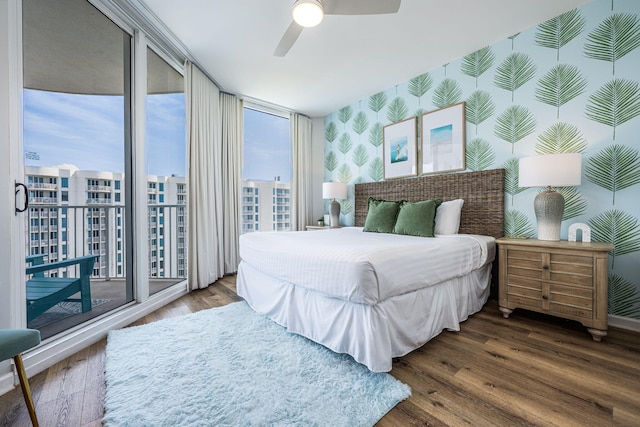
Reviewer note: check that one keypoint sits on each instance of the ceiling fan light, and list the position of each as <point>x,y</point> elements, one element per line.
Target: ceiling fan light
<point>308,13</point>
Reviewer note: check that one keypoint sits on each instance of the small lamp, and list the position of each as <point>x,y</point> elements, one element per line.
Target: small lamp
<point>557,170</point>
<point>334,190</point>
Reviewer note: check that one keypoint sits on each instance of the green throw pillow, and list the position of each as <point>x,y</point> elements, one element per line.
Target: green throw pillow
<point>381,216</point>
<point>417,219</point>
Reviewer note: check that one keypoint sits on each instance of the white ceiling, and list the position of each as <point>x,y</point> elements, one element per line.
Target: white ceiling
<point>345,58</point>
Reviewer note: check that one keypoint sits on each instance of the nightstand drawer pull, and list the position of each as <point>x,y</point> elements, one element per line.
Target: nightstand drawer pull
<point>545,297</point>
<point>545,267</point>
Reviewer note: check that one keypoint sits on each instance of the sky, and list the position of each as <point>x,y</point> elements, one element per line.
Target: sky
<point>87,131</point>
<point>267,147</point>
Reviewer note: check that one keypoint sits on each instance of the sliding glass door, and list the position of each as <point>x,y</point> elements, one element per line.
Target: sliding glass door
<point>79,164</point>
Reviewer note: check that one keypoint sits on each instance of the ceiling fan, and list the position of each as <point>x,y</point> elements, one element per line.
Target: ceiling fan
<point>309,13</point>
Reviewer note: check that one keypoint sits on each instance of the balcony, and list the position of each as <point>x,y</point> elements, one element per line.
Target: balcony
<point>101,188</point>
<point>42,186</point>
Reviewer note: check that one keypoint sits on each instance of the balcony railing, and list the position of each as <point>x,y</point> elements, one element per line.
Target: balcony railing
<point>109,244</point>
<point>42,185</point>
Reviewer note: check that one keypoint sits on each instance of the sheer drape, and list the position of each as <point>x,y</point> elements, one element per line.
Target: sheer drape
<point>301,188</point>
<point>204,151</point>
<point>231,109</point>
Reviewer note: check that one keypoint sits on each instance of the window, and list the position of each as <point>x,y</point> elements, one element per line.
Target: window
<point>64,182</point>
<point>266,165</point>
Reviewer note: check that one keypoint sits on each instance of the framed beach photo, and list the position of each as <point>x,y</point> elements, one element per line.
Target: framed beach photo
<point>443,140</point>
<point>399,149</point>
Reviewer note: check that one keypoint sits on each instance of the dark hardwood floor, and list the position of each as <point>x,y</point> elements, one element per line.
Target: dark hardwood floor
<point>528,370</point>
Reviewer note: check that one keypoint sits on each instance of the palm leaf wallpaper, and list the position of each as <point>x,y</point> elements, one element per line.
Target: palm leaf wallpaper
<point>560,85</point>
<point>559,31</point>
<point>567,85</point>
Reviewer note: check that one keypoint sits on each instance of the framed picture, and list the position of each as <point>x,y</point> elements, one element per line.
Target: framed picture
<point>443,139</point>
<point>399,150</point>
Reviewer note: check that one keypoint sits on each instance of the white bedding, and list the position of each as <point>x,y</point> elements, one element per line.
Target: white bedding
<point>364,267</point>
<point>374,296</point>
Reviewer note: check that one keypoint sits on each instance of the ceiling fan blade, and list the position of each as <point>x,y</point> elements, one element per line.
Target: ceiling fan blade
<point>360,7</point>
<point>288,39</point>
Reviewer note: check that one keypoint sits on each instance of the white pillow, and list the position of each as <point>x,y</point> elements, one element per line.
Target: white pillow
<point>448,217</point>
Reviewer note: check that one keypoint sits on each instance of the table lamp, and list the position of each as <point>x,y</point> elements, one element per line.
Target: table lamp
<point>550,170</point>
<point>334,190</point>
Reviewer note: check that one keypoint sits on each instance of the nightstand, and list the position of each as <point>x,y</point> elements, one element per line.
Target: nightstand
<point>560,278</point>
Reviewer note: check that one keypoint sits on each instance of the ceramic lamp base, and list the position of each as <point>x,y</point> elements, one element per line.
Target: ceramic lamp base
<point>549,208</point>
<point>334,210</point>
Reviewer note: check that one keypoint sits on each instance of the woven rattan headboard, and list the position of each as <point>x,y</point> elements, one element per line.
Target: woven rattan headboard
<point>483,194</point>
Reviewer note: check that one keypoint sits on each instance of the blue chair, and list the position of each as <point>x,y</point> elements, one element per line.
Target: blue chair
<point>13,342</point>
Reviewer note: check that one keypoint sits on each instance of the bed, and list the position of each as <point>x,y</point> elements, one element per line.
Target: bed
<point>374,296</point>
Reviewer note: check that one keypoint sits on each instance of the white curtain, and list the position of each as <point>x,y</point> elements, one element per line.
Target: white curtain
<point>231,108</point>
<point>301,188</point>
<point>204,151</point>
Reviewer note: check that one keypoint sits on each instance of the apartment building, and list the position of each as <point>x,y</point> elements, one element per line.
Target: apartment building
<point>266,206</point>
<point>75,212</point>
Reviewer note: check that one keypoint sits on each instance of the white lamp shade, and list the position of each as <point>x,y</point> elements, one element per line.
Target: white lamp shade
<point>551,170</point>
<point>307,13</point>
<point>334,190</point>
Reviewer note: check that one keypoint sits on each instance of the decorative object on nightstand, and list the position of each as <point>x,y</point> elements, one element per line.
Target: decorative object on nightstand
<point>334,190</point>
<point>572,233</point>
<point>563,279</point>
<point>321,222</point>
<point>550,170</point>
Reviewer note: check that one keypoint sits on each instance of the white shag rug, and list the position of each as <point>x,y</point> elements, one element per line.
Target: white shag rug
<point>230,366</point>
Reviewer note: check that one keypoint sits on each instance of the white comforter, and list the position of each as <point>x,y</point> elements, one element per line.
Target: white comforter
<point>364,267</point>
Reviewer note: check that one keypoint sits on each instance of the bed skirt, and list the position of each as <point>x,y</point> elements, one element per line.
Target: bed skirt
<point>372,334</point>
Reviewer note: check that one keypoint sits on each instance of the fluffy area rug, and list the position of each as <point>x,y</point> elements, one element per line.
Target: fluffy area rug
<point>230,366</point>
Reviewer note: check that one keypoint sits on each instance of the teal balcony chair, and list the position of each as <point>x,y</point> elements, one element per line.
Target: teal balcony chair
<point>13,342</point>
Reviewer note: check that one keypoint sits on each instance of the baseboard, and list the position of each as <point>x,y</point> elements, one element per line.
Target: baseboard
<point>61,346</point>
<point>624,323</point>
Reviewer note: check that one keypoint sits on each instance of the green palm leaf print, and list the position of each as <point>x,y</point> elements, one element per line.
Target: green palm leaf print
<point>515,123</point>
<point>344,173</point>
<point>511,171</point>
<point>624,297</point>
<point>377,102</point>
<point>344,114</point>
<point>375,135</point>
<point>619,228</point>
<point>346,207</point>
<point>479,107</point>
<point>516,224</point>
<point>478,62</point>
<point>614,168</point>
<point>574,204</point>
<point>560,85</point>
<point>615,37</point>
<point>344,143</point>
<point>559,31</point>
<point>331,132</point>
<point>330,161</point>
<point>561,138</point>
<point>479,155</point>
<point>418,86</point>
<point>360,155</point>
<point>376,169</point>
<point>398,110</point>
<point>516,70</point>
<point>360,123</point>
<point>447,93</point>
<point>616,102</point>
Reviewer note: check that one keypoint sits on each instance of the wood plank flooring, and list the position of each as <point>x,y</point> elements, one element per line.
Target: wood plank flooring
<point>528,370</point>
